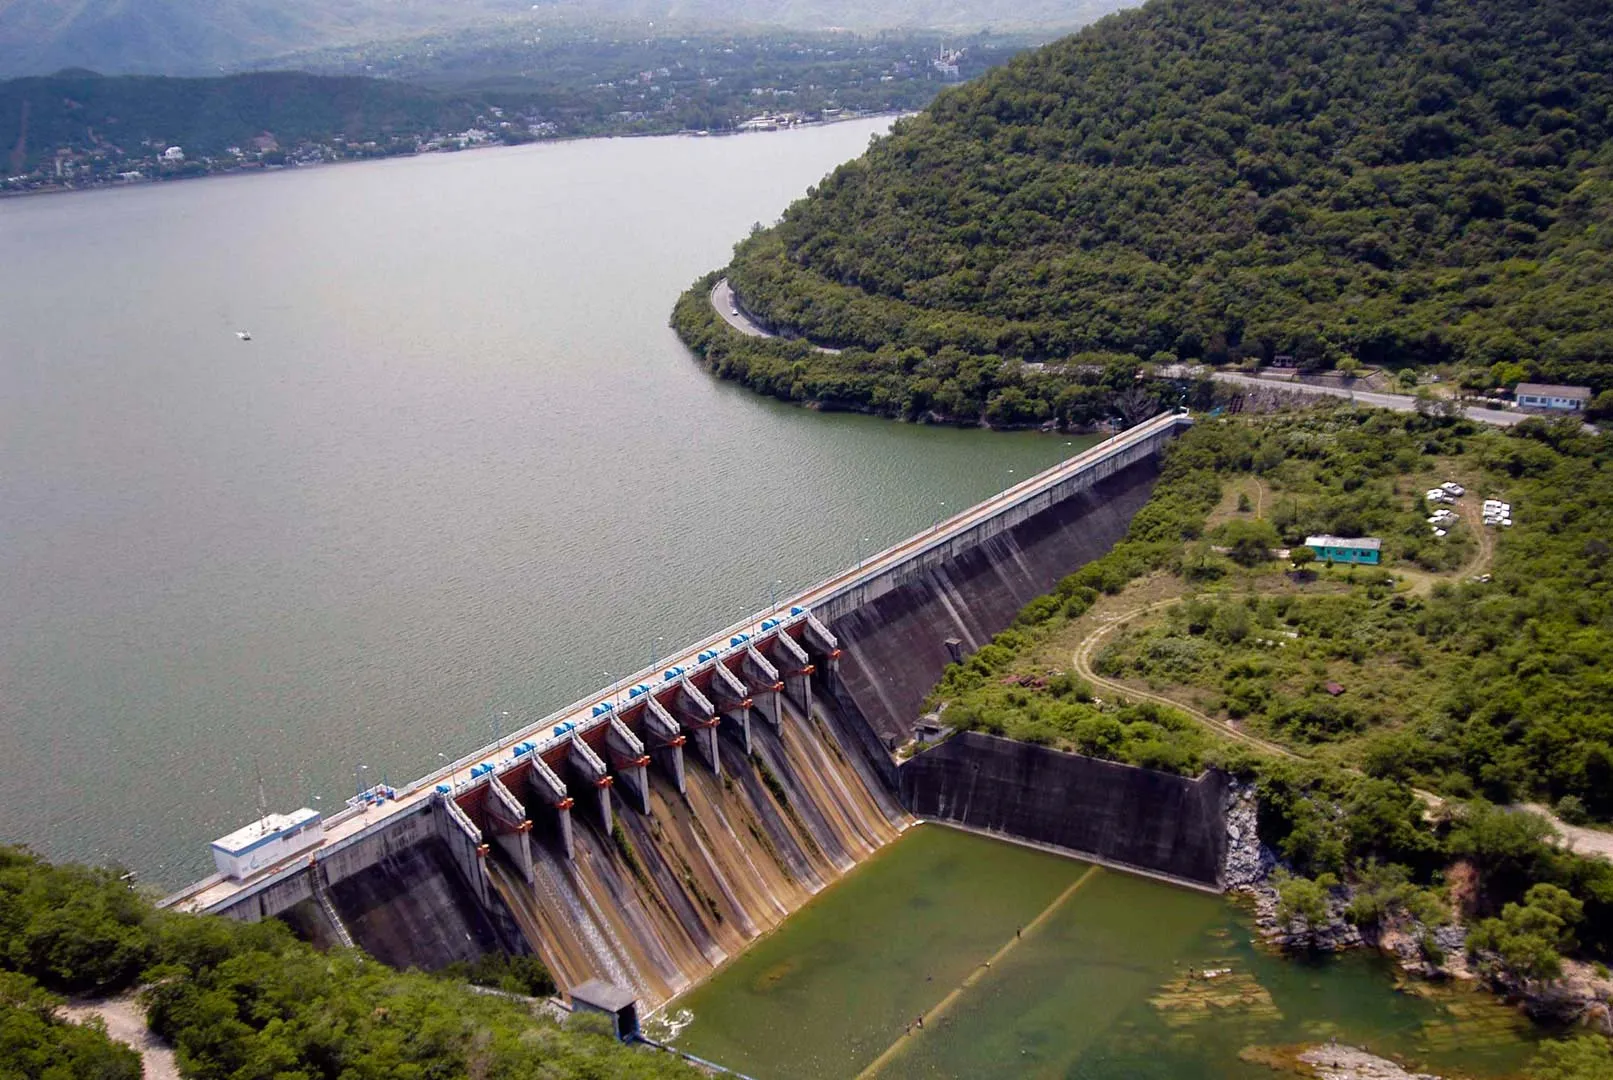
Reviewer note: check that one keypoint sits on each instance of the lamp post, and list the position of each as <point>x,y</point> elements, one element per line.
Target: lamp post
<point>492,725</point>
<point>358,785</point>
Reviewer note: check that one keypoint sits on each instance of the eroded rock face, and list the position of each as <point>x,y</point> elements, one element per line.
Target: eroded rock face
<point>1247,863</point>
<point>1581,996</point>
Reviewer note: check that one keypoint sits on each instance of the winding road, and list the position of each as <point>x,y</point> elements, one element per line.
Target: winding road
<point>724,303</point>
<point>1397,402</point>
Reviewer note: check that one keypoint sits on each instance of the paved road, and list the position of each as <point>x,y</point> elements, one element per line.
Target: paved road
<point>1397,402</point>
<point>722,300</point>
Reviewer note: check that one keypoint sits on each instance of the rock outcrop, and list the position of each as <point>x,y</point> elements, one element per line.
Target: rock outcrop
<point>1350,1063</point>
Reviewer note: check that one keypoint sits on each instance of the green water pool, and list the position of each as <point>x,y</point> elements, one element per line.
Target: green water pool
<point>1028,964</point>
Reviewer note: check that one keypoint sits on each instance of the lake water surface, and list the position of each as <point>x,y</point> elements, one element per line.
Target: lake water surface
<point>463,468</point>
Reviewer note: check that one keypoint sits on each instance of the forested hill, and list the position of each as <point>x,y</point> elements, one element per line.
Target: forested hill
<point>1399,181</point>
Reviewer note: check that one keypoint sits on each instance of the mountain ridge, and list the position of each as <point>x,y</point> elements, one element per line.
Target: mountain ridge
<point>198,37</point>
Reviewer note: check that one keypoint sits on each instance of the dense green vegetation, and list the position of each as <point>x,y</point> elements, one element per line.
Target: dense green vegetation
<point>1408,182</point>
<point>1485,692</point>
<point>250,1002</point>
<point>977,389</point>
<point>37,1044</point>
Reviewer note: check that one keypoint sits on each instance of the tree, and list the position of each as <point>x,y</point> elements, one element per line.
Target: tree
<point>1303,900</point>
<point>1349,367</point>
<point>1528,940</point>
<point>1584,1057</point>
<point>1508,848</point>
<point>1508,374</point>
<point>1302,557</point>
<point>1249,542</point>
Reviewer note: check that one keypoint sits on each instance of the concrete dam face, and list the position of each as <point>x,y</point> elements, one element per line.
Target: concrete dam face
<point>662,898</point>
<point>645,840</point>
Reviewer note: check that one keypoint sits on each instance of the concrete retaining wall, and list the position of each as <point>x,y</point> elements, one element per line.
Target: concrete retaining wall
<point>895,635</point>
<point>1135,818</point>
<point>363,851</point>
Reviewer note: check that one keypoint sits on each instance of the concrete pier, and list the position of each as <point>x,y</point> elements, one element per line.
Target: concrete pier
<point>550,791</point>
<point>796,668</point>
<point>666,742</point>
<point>763,680</point>
<point>509,826</point>
<point>629,763</point>
<point>824,647</point>
<point>698,718</point>
<point>594,777</point>
<point>733,702</point>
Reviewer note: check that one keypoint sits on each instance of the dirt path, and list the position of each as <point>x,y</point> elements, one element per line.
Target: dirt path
<point>1473,516</point>
<point>1082,660</point>
<point>126,1023</point>
<point>1576,838</point>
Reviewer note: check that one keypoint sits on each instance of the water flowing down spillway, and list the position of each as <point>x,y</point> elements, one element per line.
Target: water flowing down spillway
<point>667,897</point>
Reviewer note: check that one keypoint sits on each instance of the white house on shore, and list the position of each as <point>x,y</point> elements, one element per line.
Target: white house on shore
<point>1552,396</point>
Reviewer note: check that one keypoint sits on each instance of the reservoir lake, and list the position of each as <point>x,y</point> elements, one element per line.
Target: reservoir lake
<point>462,469</point>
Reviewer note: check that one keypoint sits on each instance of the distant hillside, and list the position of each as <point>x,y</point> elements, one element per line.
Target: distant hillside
<point>1403,181</point>
<point>198,37</point>
<point>861,14</point>
<point>205,116</point>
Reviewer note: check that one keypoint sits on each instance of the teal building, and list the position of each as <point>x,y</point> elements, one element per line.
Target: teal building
<point>1345,549</point>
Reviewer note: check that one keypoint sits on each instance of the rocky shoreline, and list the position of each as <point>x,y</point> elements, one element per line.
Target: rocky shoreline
<point>1582,996</point>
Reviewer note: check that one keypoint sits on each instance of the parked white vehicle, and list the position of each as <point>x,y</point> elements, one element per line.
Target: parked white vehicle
<point>1454,488</point>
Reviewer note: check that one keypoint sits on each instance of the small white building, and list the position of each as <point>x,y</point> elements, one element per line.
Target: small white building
<point>267,841</point>
<point>1552,396</point>
<point>173,154</point>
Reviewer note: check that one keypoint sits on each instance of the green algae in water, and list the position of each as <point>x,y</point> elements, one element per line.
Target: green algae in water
<point>1112,984</point>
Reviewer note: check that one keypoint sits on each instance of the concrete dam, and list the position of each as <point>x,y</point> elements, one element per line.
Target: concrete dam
<point>646,834</point>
